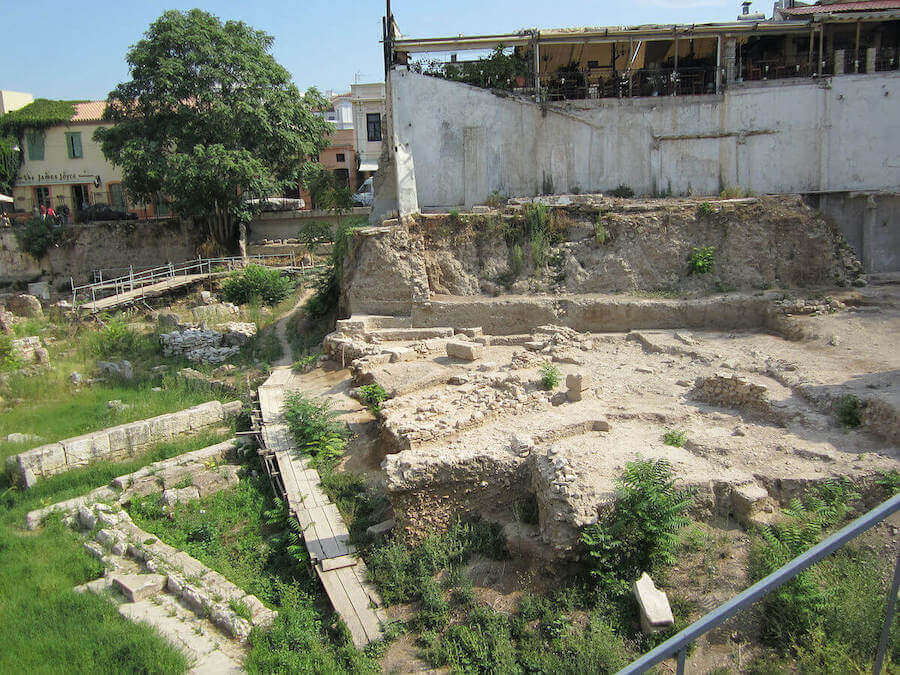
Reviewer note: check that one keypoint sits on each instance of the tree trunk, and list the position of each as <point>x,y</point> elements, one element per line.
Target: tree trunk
<point>222,230</point>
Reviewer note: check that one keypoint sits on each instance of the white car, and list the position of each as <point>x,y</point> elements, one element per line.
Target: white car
<point>366,193</point>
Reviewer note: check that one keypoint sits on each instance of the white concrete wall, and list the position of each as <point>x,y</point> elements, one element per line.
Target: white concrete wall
<point>13,100</point>
<point>788,136</point>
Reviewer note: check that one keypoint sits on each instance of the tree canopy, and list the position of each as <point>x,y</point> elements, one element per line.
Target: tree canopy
<point>209,119</point>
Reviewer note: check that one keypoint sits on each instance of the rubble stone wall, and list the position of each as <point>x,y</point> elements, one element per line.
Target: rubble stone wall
<point>115,443</point>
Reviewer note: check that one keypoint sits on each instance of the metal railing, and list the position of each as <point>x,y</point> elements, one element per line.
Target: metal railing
<point>677,645</point>
<point>142,279</point>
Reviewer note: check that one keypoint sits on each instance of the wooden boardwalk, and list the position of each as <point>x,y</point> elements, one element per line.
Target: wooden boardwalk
<point>342,573</point>
<point>149,291</point>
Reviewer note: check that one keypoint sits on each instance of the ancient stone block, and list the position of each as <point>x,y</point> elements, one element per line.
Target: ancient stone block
<point>137,587</point>
<point>656,614</point>
<point>578,381</point>
<point>24,305</point>
<point>467,351</point>
<point>138,434</point>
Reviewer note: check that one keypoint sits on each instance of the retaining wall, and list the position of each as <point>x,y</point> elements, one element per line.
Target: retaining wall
<point>115,443</point>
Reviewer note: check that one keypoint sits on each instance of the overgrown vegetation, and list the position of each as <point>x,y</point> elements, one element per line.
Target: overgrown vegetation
<point>623,191</point>
<point>495,200</point>
<point>315,233</point>
<point>324,302</point>
<point>849,411</point>
<point>550,376</point>
<point>675,437</point>
<point>256,283</point>
<point>117,339</point>
<point>372,396</point>
<point>39,236</point>
<point>702,259</point>
<point>8,360</point>
<point>841,597</point>
<point>640,533</point>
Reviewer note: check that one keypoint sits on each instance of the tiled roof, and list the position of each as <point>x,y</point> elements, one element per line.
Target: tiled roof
<point>92,111</point>
<point>863,6</point>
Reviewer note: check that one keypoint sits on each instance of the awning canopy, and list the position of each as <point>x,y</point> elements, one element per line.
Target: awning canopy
<point>6,198</point>
<point>368,166</point>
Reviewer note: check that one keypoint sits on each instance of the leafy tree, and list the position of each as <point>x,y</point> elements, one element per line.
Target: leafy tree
<point>209,119</point>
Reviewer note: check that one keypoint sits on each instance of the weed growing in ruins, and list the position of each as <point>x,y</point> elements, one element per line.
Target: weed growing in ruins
<point>314,427</point>
<point>305,363</point>
<point>116,339</point>
<point>705,210</point>
<point>849,411</point>
<point>623,191</point>
<point>314,233</point>
<point>550,376</point>
<point>495,200</point>
<point>702,259</point>
<point>372,396</point>
<point>8,360</point>
<point>453,216</point>
<point>889,482</point>
<point>328,287</point>
<point>675,438</point>
<point>600,232</point>
<point>641,533</point>
<point>516,260</point>
<point>256,282</point>
<point>734,192</point>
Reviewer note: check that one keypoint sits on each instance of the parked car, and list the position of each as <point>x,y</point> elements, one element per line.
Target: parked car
<point>103,212</point>
<point>365,195</point>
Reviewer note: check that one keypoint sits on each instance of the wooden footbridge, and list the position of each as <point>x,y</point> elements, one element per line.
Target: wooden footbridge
<point>127,289</point>
<point>343,574</point>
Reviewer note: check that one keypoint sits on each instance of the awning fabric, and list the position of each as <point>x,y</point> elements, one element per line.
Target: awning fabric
<point>6,198</point>
<point>368,166</point>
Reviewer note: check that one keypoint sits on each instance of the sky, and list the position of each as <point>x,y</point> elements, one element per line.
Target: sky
<point>54,49</point>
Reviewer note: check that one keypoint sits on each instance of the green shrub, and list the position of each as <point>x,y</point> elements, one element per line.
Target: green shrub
<point>701,259</point>
<point>734,192</point>
<point>538,250</point>
<point>849,411</point>
<point>372,396</point>
<point>676,438</point>
<point>328,288</point>
<point>641,533</point>
<point>39,236</point>
<point>600,233</point>
<point>889,482</point>
<point>256,282</point>
<point>305,363</point>
<point>623,191</point>
<point>550,376</point>
<point>705,210</point>
<point>314,427</point>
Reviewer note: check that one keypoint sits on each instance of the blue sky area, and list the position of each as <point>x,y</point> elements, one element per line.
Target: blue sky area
<point>55,49</point>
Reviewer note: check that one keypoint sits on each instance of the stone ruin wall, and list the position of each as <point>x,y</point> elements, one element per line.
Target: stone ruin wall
<point>143,243</point>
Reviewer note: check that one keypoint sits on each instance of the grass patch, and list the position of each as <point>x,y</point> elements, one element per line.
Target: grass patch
<point>372,396</point>
<point>61,413</point>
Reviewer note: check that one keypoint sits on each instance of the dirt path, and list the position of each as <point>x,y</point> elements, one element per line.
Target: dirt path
<point>281,329</point>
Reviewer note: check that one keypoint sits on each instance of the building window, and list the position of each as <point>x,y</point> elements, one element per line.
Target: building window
<point>42,196</point>
<point>342,177</point>
<point>340,157</point>
<point>373,126</point>
<point>73,144</point>
<point>35,142</point>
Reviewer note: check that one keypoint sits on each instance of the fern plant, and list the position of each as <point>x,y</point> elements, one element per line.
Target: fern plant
<point>793,609</point>
<point>640,534</point>
<point>314,427</point>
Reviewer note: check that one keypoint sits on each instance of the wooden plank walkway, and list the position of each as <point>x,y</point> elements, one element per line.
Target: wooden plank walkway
<point>343,574</point>
<point>149,291</point>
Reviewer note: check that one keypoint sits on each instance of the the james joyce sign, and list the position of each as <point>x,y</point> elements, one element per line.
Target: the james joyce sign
<point>54,178</point>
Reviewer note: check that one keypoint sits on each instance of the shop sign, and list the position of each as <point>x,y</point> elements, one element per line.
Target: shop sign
<point>51,177</point>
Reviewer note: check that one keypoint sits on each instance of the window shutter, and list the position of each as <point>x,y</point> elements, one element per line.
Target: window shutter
<point>35,141</point>
<point>76,144</point>
<point>73,144</point>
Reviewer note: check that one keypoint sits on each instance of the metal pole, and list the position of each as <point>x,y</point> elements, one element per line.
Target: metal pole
<point>888,619</point>
<point>680,658</point>
<point>718,64</point>
<point>675,73</point>
<point>821,49</point>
